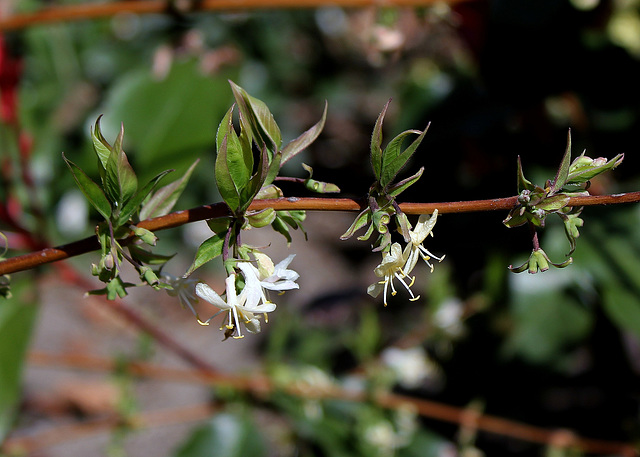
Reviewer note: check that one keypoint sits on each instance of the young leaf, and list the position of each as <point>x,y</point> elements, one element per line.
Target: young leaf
<point>120,181</point>
<point>401,186</point>
<point>523,183</point>
<point>224,180</point>
<point>376,143</point>
<point>131,206</point>
<point>563,171</point>
<point>90,189</point>
<point>100,145</point>
<point>163,200</point>
<point>208,250</point>
<point>394,158</point>
<point>303,141</point>
<point>260,118</point>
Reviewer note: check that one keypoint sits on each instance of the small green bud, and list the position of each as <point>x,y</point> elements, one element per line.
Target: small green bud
<point>146,236</point>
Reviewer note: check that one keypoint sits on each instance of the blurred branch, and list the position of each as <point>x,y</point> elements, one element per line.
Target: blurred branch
<point>42,441</point>
<point>69,13</point>
<point>261,385</point>
<point>135,319</point>
<point>44,256</point>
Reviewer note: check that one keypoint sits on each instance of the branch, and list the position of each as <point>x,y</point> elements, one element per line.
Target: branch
<point>70,13</point>
<point>261,385</point>
<point>44,256</point>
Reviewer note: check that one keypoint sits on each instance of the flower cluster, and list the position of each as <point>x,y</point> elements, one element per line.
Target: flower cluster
<point>398,263</point>
<point>246,293</point>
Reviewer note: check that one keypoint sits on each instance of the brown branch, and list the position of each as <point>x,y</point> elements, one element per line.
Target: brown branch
<point>69,13</point>
<point>44,256</point>
<point>261,385</point>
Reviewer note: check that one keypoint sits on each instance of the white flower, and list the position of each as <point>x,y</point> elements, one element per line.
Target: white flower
<point>390,268</point>
<point>241,308</point>
<point>415,248</point>
<point>410,365</point>
<point>276,277</point>
<point>184,289</point>
<point>268,276</point>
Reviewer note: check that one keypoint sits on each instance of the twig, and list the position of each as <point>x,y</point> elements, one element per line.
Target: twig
<point>44,256</point>
<point>261,385</point>
<point>69,13</point>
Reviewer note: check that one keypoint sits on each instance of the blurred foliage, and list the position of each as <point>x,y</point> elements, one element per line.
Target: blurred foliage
<point>497,79</point>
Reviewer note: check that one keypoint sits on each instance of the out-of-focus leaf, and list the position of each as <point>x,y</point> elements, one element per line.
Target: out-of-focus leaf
<point>623,307</point>
<point>90,189</point>
<point>17,316</point>
<point>167,118</point>
<point>228,435</point>
<point>546,320</point>
<point>426,444</point>
<point>163,200</point>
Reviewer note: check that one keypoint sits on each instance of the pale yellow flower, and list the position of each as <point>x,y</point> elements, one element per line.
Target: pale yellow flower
<point>391,268</point>
<point>415,249</point>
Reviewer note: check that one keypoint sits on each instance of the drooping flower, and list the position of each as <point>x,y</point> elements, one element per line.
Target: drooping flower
<point>391,268</point>
<point>184,289</point>
<point>415,249</point>
<point>241,308</point>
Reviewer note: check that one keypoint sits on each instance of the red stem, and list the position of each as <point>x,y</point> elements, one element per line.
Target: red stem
<point>44,256</point>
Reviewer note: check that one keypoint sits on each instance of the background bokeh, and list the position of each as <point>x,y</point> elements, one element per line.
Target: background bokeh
<point>496,79</point>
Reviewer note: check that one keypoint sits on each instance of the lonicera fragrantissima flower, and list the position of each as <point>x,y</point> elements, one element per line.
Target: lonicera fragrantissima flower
<point>241,308</point>
<point>184,289</point>
<point>415,249</point>
<point>391,268</point>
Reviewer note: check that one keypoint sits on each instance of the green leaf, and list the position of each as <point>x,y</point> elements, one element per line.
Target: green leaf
<point>376,143</point>
<point>163,200</point>
<point>563,171</point>
<point>553,203</point>
<point>228,435</point>
<point>100,145</point>
<point>120,181</point>
<point>581,174</point>
<point>281,227</point>
<point>261,218</point>
<point>257,113</point>
<point>17,318</point>
<point>303,141</point>
<point>90,189</point>
<point>224,180</point>
<point>132,205</point>
<point>362,219</point>
<point>523,183</point>
<point>208,250</point>
<point>394,158</point>
<point>401,186</point>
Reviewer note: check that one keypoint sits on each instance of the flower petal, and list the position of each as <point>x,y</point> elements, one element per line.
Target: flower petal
<point>208,294</point>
